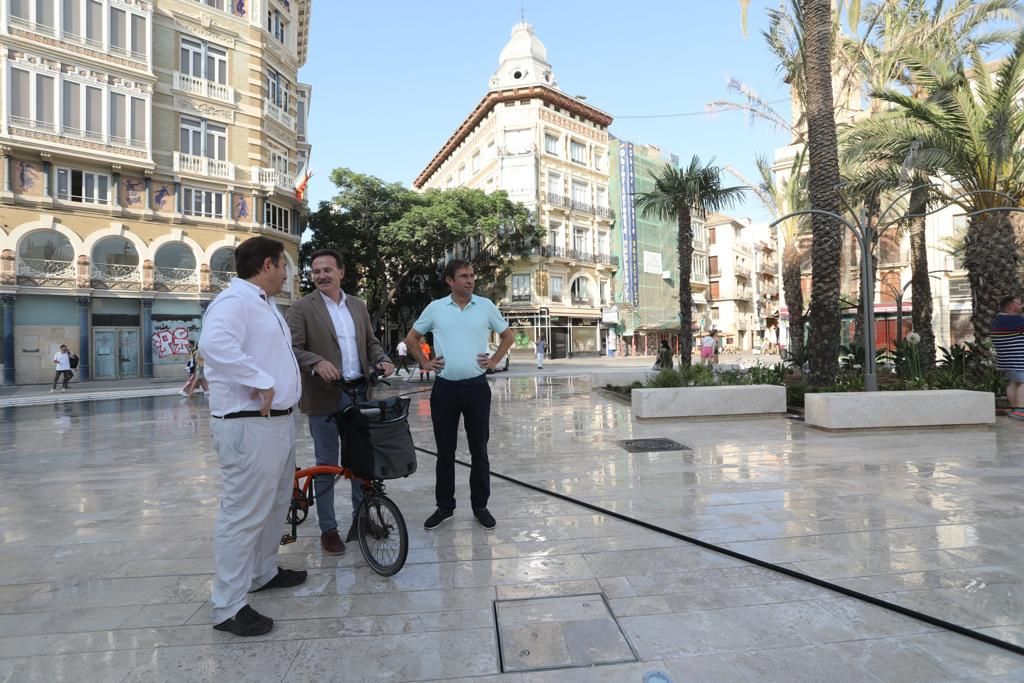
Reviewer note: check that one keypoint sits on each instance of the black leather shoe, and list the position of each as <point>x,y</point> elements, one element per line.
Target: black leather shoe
<point>286,578</point>
<point>247,622</point>
<point>438,518</point>
<point>485,518</point>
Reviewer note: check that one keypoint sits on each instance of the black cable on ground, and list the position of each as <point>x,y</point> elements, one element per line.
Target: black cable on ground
<point>849,592</point>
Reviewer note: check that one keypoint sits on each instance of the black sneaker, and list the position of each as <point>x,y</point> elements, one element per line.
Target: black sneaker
<point>485,518</point>
<point>247,622</point>
<point>438,518</point>
<point>285,578</point>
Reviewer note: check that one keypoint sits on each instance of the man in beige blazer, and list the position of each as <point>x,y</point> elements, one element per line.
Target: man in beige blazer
<point>333,341</point>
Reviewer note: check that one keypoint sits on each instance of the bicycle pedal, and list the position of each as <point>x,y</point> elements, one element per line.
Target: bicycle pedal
<point>287,539</point>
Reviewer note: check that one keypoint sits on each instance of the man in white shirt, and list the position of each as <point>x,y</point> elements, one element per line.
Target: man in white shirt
<point>333,340</point>
<point>62,361</point>
<point>403,357</point>
<point>254,384</point>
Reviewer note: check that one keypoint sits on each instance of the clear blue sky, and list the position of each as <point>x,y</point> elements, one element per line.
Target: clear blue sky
<point>392,80</point>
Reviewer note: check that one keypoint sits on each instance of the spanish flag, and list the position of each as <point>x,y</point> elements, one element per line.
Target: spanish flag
<point>301,181</point>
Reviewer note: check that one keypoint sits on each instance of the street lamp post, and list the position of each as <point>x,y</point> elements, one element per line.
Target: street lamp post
<point>865,234</point>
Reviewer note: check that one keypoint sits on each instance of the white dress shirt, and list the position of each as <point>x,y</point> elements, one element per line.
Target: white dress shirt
<point>345,331</point>
<point>246,345</point>
<point>63,360</point>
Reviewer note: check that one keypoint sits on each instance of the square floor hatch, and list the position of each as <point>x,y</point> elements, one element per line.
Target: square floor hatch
<point>559,632</point>
<point>652,445</point>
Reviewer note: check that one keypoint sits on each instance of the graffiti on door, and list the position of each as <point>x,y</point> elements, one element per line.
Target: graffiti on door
<point>171,342</point>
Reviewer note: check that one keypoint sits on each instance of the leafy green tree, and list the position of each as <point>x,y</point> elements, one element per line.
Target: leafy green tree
<point>397,241</point>
<point>678,194</point>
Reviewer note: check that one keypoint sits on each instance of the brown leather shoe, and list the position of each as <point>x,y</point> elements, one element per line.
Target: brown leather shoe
<point>332,543</point>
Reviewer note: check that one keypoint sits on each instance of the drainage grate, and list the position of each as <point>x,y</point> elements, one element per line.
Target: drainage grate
<point>652,445</point>
<point>559,633</point>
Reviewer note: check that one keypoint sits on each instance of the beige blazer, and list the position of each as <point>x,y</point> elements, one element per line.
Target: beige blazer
<point>314,340</point>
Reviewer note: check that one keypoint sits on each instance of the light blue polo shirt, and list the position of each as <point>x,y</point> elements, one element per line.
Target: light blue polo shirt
<point>460,333</point>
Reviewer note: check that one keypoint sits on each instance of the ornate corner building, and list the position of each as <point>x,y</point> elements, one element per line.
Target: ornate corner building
<point>140,142</point>
<point>548,151</point>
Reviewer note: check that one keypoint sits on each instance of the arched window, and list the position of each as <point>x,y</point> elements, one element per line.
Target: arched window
<point>115,260</point>
<point>46,245</point>
<point>175,268</point>
<point>176,255</point>
<point>115,251</point>
<point>581,291</point>
<point>46,259</point>
<point>222,267</point>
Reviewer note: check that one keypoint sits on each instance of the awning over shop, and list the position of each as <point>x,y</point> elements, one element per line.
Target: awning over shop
<point>699,299</point>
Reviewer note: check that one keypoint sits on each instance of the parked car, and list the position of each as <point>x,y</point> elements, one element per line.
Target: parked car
<point>503,367</point>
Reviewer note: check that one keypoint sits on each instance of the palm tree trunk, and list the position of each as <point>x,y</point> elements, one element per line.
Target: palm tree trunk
<point>684,247</point>
<point>823,179</point>
<point>920,282</point>
<point>990,256</point>
<point>794,301</point>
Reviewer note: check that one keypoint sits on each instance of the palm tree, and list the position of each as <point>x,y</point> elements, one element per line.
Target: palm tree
<point>969,128</point>
<point>892,27</point>
<point>823,183</point>
<point>678,194</point>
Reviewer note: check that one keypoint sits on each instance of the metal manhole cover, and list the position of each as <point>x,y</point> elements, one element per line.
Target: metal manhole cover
<point>652,445</point>
<point>559,632</point>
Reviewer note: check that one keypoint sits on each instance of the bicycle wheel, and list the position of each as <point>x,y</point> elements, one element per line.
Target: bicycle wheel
<point>383,537</point>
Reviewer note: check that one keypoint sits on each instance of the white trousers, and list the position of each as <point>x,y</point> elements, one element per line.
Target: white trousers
<point>540,360</point>
<point>257,465</point>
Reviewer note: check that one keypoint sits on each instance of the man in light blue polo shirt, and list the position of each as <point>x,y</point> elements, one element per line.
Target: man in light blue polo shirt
<point>462,324</point>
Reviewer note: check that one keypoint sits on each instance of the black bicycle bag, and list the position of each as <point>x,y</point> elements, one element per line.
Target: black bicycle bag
<point>375,439</point>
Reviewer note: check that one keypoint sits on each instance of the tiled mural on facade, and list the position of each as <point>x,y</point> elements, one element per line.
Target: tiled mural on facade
<point>28,178</point>
<point>133,192</point>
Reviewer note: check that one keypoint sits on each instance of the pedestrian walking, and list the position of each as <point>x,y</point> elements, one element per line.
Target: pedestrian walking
<point>254,381</point>
<point>334,343</point>
<point>62,361</point>
<point>425,352</point>
<point>664,356</point>
<point>190,368</point>
<point>540,347</point>
<point>709,347</point>
<point>1007,334</point>
<point>462,324</point>
<point>403,357</point>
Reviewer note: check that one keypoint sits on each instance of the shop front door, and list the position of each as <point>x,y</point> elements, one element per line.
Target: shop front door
<point>116,353</point>
<point>559,342</point>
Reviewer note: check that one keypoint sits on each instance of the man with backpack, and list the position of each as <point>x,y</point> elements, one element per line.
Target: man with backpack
<point>64,361</point>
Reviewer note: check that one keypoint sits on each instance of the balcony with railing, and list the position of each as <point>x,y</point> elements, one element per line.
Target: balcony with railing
<point>604,212</point>
<point>582,301</point>
<point>77,137</point>
<point>279,114</point>
<point>204,88</point>
<point>270,178</point>
<point>559,201</point>
<point>176,279</point>
<point>768,266</point>
<point>46,273</point>
<point>220,279</point>
<point>203,166</point>
<point>116,276</point>
<point>94,46</point>
<point>742,271</point>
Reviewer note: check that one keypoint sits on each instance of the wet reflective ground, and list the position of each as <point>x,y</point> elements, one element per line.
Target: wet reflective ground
<point>106,513</point>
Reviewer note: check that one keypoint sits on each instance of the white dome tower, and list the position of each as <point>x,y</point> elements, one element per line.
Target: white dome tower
<point>523,61</point>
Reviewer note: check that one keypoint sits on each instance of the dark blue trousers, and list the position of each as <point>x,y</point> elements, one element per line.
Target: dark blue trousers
<point>469,399</point>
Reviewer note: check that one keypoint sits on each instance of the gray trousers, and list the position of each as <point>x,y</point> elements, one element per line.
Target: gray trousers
<point>257,465</point>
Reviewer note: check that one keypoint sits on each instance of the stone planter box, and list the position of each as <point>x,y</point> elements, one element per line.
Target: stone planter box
<point>887,409</point>
<point>749,399</point>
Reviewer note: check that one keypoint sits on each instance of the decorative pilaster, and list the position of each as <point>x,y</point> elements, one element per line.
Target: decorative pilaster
<point>6,152</point>
<point>47,171</point>
<point>147,211</point>
<point>84,304</point>
<point>116,173</point>
<point>7,301</point>
<point>147,336</point>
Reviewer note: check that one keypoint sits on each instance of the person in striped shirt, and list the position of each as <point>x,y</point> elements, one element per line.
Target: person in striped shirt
<point>1008,341</point>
